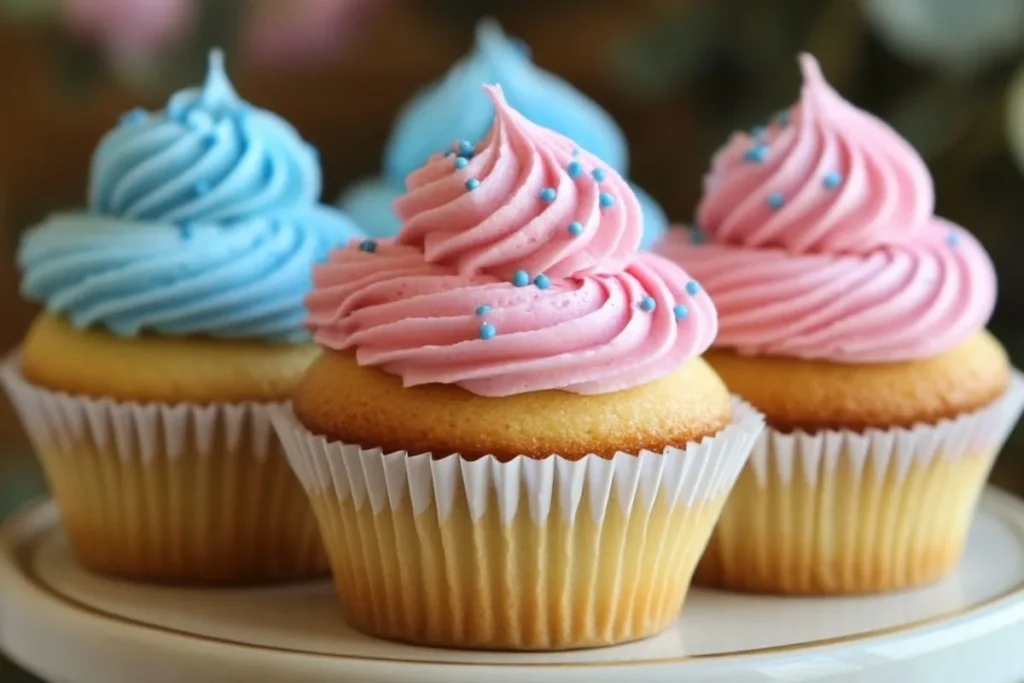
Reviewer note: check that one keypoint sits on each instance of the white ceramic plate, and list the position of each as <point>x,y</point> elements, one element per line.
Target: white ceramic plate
<point>70,626</point>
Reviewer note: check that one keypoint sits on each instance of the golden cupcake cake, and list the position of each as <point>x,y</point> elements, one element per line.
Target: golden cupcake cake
<point>854,319</point>
<point>510,440</point>
<point>173,322</point>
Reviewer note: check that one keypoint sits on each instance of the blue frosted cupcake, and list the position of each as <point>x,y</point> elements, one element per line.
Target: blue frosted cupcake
<point>172,324</point>
<point>452,110</point>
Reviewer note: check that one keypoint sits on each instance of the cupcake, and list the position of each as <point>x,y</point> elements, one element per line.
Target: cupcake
<point>854,319</point>
<point>173,323</point>
<point>510,440</point>
<point>452,109</point>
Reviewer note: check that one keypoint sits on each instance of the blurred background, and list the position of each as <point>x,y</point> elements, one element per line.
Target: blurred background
<point>678,75</point>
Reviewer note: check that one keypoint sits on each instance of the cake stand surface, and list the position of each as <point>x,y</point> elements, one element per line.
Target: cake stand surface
<point>70,626</point>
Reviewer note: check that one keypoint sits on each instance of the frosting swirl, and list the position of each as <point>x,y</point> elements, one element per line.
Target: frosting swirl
<point>823,243</point>
<point>507,223</point>
<point>452,109</point>
<point>209,157</point>
<point>883,194</point>
<point>489,288</point>
<point>202,220</point>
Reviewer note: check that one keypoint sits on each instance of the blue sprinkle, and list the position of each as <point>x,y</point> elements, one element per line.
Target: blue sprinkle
<point>472,184</point>
<point>575,228</point>
<point>953,239</point>
<point>693,288</point>
<point>369,246</point>
<point>465,148</point>
<point>697,235</point>
<point>201,187</point>
<point>483,309</point>
<point>133,116</point>
<point>521,278</point>
<point>680,311</point>
<point>575,169</point>
<point>648,304</point>
<point>757,132</point>
<point>487,331</point>
<point>756,154</point>
<point>461,162</point>
<point>575,151</point>
<point>548,194</point>
<point>542,281</point>
<point>776,200</point>
<point>606,200</point>
<point>599,174</point>
<point>832,179</point>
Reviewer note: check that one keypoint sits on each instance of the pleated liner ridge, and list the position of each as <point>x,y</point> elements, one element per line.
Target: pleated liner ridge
<point>843,512</point>
<point>532,554</point>
<point>182,493</point>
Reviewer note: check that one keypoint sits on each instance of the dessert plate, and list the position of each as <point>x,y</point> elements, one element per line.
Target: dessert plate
<point>70,626</point>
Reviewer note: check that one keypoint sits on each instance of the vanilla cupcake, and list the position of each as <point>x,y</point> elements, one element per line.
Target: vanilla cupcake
<point>173,322</point>
<point>510,440</point>
<point>854,318</point>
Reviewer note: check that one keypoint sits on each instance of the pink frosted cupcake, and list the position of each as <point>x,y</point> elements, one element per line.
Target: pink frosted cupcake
<point>854,318</point>
<point>510,440</point>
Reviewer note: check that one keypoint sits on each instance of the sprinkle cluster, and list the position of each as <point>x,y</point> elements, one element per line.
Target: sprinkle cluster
<point>521,278</point>
<point>463,150</point>
<point>762,137</point>
<point>486,330</point>
<point>680,311</point>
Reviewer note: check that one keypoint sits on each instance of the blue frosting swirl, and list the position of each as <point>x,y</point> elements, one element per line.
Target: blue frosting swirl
<point>203,219</point>
<point>453,109</point>
<point>209,156</point>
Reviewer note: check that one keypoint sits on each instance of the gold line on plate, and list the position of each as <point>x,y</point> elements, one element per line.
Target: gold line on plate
<point>997,498</point>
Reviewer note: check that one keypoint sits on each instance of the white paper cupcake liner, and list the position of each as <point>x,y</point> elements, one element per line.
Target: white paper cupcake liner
<point>847,512</point>
<point>171,492</point>
<point>698,472</point>
<point>529,554</point>
<point>816,457</point>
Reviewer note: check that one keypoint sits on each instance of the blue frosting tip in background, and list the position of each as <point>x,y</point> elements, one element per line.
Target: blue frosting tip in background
<point>452,108</point>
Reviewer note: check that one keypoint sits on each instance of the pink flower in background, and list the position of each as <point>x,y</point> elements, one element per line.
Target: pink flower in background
<point>297,32</point>
<point>130,27</point>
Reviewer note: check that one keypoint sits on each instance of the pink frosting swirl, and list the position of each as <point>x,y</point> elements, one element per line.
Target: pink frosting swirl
<point>823,243</point>
<point>884,193</point>
<point>501,226</point>
<point>439,303</point>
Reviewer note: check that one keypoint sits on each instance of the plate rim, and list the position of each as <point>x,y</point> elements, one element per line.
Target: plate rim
<point>21,534</point>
